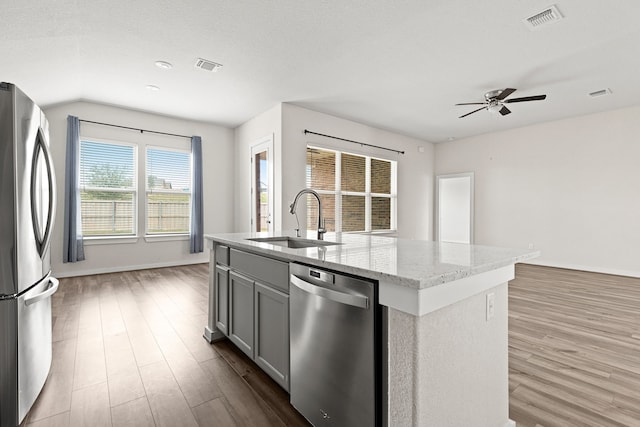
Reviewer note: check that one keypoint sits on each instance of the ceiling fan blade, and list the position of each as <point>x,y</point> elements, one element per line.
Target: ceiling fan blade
<point>474,111</point>
<point>472,103</point>
<point>506,92</point>
<point>526,98</point>
<point>504,111</point>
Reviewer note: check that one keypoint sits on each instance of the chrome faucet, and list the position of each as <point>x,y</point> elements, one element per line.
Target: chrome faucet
<point>292,210</point>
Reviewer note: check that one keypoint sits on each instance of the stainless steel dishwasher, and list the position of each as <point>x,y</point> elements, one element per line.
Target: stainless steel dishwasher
<point>335,348</point>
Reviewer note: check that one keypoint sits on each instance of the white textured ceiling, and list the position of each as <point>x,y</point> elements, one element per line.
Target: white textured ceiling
<point>397,65</point>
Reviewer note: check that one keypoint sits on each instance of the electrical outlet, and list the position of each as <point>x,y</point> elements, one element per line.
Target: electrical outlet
<point>491,305</point>
<point>531,245</point>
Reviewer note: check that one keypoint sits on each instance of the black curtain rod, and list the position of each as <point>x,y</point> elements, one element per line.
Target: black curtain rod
<point>136,129</point>
<point>354,142</point>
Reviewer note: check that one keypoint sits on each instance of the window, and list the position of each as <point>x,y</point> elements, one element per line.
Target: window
<point>168,181</point>
<point>107,188</point>
<point>358,192</point>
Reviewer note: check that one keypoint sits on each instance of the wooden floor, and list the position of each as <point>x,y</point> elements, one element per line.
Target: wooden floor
<point>128,351</point>
<point>574,348</point>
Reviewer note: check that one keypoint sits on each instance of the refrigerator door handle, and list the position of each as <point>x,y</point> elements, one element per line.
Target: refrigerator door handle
<point>42,231</point>
<point>51,289</point>
<point>52,193</point>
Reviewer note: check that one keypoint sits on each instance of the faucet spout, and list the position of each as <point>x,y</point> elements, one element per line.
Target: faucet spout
<point>292,210</point>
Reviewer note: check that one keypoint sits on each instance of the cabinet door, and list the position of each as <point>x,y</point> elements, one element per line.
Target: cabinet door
<point>241,312</point>
<point>272,333</point>
<point>222,299</point>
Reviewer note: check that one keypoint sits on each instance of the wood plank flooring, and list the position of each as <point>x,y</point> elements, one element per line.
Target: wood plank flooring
<point>574,348</point>
<point>128,351</point>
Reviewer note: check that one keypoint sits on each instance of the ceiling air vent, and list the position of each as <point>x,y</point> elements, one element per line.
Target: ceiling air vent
<point>207,65</point>
<point>547,16</point>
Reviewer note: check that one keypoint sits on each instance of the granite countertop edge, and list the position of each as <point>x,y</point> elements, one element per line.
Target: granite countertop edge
<point>239,240</point>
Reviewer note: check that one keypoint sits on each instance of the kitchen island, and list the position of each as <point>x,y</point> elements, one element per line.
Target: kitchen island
<point>445,319</point>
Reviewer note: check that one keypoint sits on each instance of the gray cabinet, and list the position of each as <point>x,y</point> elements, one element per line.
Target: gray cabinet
<point>221,290</point>
<point>271,332</point>
<point>241,312</point>
<point>252,308</point>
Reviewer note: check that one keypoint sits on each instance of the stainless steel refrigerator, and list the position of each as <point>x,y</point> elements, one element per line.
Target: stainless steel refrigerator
<point>27,209</point>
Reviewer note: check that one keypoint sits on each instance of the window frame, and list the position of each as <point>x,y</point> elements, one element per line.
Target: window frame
<point>367,194</point>
<point>112,238</point>
<point>164,236</point>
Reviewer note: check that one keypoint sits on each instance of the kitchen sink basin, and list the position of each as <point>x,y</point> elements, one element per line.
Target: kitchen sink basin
<point>293,242</point>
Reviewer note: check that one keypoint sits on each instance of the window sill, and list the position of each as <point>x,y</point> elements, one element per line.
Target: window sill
<point>109,240</point>
<point>153,238</point>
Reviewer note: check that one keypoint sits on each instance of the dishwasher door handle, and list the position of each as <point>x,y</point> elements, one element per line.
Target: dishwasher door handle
<point>330,294</point>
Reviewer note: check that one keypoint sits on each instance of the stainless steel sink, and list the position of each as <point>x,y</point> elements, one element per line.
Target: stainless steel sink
<point>293,242</point>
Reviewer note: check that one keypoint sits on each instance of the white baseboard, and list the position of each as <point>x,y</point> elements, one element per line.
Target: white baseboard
<point>510,423</point>
<point>119,269</point>
<point>603,270</point>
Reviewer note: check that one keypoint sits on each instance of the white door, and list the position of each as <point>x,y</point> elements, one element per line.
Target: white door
<point>262,185</point>
<point>454,199</point>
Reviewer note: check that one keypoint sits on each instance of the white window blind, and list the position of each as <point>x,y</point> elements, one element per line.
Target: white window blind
<point>168,176</point>
<point>107,188</point>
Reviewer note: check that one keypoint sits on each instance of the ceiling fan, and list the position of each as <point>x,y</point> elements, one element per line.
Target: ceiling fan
<point>494,101</point>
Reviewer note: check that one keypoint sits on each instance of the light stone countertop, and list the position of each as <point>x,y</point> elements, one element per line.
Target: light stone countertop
<point>414,264</point>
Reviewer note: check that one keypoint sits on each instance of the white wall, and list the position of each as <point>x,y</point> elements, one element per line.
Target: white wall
<point>570,187</point>
<point>415,168</point>
<point>438,377</point>
<point>246,135</point>
<point>217,152</point>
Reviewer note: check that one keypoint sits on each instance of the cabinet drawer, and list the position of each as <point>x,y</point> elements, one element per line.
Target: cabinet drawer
<point>267,270</point>
<point>222,254</point>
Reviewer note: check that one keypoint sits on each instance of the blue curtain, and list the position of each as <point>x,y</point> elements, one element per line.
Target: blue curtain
<point>197,227</point>
<point>73,246</point>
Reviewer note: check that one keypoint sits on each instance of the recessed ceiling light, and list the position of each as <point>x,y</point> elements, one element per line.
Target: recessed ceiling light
<point>153,88</point>
<point>164,65</point>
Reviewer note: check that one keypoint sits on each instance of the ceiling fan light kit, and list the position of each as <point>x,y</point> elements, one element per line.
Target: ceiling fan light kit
<point>494,107</point>
<point>494,101</point>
